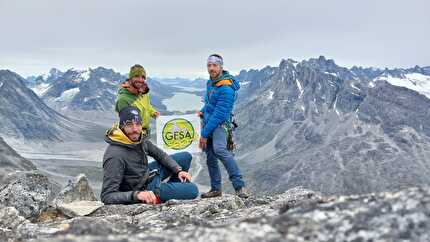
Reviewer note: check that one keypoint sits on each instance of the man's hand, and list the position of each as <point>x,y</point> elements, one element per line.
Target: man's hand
<point>203,143</point>
<point>199,114</point>
<point>147,197</point>
<point>184,176</point>
<point>156,114</point>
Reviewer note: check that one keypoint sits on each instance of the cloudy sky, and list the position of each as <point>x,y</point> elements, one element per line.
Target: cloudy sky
<point>173,38</point>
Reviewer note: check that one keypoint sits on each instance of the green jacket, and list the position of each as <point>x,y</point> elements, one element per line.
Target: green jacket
<point>141,101</point>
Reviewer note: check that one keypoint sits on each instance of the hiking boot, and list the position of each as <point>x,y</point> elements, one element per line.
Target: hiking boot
<point>211,193</point>
<point>243,193</point>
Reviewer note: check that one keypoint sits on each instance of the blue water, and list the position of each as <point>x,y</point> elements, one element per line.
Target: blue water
<point>183,102</point>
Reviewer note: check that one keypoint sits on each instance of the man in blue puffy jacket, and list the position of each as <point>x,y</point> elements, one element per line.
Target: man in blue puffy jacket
<point>216,115</point>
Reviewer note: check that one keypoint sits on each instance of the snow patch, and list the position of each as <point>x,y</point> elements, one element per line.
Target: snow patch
<point>331,73</point>
<point>334,107</point>
<point>68,95</point>
<point>270,96</point>
<point>244,83</point>
<point>103,79</point>
<point>82,75</point>
<point>85,75</point>
<point>371,84</point>
<point>355,87</point>
<point>1,84</point>
<point>414,81</point>
<point>300,87</point>
<point>41,88</point>
<point>45,77</point>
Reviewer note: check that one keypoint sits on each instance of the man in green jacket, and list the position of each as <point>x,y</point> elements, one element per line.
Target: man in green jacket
<point>135,92</point>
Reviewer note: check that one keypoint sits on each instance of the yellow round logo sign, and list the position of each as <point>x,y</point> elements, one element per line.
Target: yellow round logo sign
<point>178,134</point>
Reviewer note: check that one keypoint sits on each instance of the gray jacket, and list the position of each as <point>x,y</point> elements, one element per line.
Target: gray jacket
<point>124,166</point>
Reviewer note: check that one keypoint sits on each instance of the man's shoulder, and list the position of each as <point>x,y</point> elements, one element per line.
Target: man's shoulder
<point>115,151</point>
<point>146,141</point>
<point>124,99</point>
<point>124,93</point>
<point>226,90</point>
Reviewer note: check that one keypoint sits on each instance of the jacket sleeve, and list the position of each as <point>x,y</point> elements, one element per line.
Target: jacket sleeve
<point>162,157</point>
<point>113,172</point>
<point>222,111</point>
<point>151,108</point>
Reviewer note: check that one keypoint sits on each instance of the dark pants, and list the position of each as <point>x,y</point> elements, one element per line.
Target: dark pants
<point>173,188</point>
<point>217,150</point>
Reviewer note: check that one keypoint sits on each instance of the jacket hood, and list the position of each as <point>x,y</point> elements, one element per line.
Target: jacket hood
<point>227,76</point>
<point>116,136</point>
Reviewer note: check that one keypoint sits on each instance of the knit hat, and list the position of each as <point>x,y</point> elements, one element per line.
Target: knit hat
<point>129,114</point>
<point>136,71</point>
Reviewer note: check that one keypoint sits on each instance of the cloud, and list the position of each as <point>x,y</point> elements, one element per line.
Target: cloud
<point>173,38</point>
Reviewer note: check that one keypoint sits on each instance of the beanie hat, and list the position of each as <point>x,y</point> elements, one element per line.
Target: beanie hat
<point>136,71</point>
<point>129,114</point>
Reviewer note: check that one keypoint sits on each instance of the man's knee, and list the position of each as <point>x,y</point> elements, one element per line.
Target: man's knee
<point>183,159</point>
<point>184,156</point>
<point>193,191</point>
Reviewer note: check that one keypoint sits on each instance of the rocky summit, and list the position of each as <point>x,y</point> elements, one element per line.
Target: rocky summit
<point>45,214</point>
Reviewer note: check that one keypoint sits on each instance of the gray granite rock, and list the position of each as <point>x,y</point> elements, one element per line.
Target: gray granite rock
<point>29,192</point>
<point>295,215</point>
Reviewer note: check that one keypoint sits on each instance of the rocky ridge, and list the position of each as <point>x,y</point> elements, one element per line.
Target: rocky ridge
<point>296,215</point>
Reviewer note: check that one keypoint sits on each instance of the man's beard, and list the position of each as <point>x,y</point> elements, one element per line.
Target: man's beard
<point>214,74</point>
<point>141,87</point>
<point>134,136</point>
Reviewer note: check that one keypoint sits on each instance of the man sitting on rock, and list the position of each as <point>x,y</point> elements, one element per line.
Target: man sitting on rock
<point>129,178</point>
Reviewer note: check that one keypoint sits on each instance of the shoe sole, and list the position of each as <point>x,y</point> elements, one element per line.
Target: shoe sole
<point>211,196</point>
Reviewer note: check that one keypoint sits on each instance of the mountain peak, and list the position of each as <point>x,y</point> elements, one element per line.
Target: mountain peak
<point>287,63</point>
<point>54,70</point>
<point>322,58</point>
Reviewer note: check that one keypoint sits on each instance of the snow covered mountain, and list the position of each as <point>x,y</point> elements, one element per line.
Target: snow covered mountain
<point>334,129</point>
<point>39,84</point>
<point>91,89</point>
<point>412,80</point>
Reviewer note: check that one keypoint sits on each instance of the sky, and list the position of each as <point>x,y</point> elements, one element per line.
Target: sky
<point>173,38</point>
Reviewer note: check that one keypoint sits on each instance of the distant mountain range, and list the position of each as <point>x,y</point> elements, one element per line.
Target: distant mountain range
<point>91,89</point>
<point>334,129</point>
